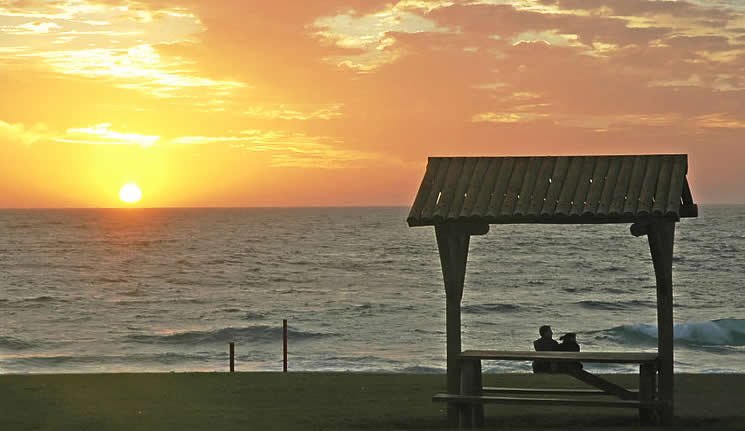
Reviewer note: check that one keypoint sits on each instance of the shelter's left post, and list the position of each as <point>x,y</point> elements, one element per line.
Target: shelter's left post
<point>453,241</point>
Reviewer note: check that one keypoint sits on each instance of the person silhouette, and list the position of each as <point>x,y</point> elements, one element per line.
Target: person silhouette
<point>569,344</point>
<point>543,344</point>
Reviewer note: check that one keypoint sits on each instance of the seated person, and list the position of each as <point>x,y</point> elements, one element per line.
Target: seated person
<point>545,343</point>
<point>568,344</point>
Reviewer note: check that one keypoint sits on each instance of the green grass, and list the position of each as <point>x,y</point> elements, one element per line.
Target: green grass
<point>323,401</point>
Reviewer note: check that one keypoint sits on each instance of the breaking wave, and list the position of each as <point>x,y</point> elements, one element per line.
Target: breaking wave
<point>12,343</point>
<point>721,332</point>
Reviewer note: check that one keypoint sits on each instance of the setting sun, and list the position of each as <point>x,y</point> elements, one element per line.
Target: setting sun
<point>130,193</point>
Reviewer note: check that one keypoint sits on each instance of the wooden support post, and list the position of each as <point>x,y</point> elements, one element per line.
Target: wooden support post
<point>647,392</point>
<point>232,357</point>
<point>452,243</point>
<point>284,345</point>
<point>661,236</point>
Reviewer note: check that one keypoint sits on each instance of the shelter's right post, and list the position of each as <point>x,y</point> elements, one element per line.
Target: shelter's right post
<point>661,236</point>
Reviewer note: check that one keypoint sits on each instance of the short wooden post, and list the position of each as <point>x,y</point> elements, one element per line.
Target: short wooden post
<point>478,410</point>
<point>232,357</point>
<point>471,384</point>
<point>647,391</point>
<point>284,345</point>
<point>661,237</point>
<point>468,383</point>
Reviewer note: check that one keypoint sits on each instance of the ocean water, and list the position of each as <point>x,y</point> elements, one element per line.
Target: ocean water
<point>141,290</point>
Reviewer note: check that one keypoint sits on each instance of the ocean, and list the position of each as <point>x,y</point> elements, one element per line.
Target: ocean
<point>158,290</point>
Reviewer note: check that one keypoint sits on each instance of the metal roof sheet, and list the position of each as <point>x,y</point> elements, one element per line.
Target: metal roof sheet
<point>553,189</point>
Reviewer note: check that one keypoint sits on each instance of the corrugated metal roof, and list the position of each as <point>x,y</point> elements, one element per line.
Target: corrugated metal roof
<point>553,189</point>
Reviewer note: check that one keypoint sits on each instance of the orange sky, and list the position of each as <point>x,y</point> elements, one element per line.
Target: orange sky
<point>339,102</point>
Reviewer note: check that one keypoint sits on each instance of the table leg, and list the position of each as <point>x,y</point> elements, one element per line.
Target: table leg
<point>647,392</point>
<point>478,411</point>
<point>470,385</point>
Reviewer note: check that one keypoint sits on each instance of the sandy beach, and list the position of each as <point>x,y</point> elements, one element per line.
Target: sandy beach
<point>322,401</point>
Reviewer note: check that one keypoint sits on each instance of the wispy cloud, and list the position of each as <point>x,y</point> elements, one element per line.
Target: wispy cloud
<point>140,67</point>
<point>30,28</point>
<point>288,149</point>
<point>115,41</point>
<point>720,120</point>
<point>295,112</point>
<point>371,33</point>
<point>19,133</point>
<point>100,134</point>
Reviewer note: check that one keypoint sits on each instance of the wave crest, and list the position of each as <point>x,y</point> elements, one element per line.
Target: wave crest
<point>490,308</point>
<point>721,332</point>
<point>13,343</point>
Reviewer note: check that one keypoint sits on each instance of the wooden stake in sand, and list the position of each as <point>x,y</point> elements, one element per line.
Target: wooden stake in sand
<point>284,345</point>
<point>232,357</point>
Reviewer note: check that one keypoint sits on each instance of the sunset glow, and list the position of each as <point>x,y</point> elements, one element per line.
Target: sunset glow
<point>340,102</point>
<point>130,193</point>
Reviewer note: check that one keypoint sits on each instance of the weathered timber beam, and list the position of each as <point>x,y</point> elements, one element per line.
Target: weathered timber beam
<point>642,227</point>
<point>604,385</point>
<point>639,228</point>
<point>689,210</point>
<point>453,241</point>
<point>466,227</point>
<point>661,238</point>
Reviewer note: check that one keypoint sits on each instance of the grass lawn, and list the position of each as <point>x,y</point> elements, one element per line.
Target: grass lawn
<point>324,401</point>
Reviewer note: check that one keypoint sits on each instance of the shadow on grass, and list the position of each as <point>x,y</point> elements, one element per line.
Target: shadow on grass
<point>552,422</point>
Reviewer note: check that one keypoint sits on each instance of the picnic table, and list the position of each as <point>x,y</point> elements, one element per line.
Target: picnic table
<point>473,395</point>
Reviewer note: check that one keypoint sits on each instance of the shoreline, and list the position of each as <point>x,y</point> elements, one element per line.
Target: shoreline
<point>323,400</point>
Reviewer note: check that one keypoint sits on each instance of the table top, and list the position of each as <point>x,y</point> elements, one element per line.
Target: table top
<point>599,357</point>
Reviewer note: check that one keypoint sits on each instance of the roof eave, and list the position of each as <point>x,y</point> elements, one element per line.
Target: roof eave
<point>412,222</point>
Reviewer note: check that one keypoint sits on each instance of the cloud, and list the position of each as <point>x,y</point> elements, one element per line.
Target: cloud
<point>100,134</point>
<point>113,40</point>
<point>19,133</point>
<point>678,9</point>
<point>369,34</point>
<point>340,84</point>
<point>295,112</point>
<point>140,67</point>
<point>720,120</point>
<point>288,149</point>
<point>30,28</point>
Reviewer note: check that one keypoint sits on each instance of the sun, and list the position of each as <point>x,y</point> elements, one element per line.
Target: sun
<point>130,193</point>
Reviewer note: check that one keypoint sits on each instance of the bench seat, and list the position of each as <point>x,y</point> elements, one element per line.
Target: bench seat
<point>583,402</point>
<point>547,391</point>
<point>595,357</point>
<point>469,403</point>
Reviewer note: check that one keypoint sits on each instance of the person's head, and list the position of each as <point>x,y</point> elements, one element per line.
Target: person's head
<point>545,331</point>
<point>569,337</point>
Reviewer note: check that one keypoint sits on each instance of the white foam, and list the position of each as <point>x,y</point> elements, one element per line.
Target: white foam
<point>718,332</point>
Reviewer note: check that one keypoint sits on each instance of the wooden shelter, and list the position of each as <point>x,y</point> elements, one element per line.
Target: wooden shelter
<point>462,196</point>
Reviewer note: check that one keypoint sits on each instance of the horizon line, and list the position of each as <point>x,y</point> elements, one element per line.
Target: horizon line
<point>264,207</point>
<point>205,207</point>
